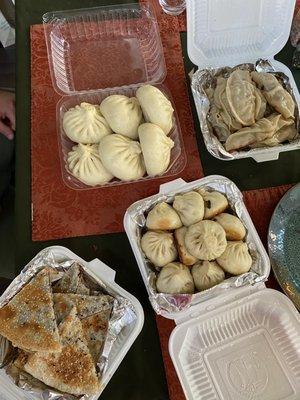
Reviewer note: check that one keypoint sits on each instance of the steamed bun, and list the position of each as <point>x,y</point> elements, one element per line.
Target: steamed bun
<point>184,256</point>
<point>157,109</point>
<point>85,124</point>
<point>85,164</point>
<point>190,207</point>
<point>159,247</point>
<point>175,278</point>
<point>164,217</point>
<point>156,148</point>
<point>236,258</point>
<point>206,240</point>
<point>123,114</point>
<point>122,157</point>
<point>215,203</point>
<point>207,274</point>
<point>232,225</point>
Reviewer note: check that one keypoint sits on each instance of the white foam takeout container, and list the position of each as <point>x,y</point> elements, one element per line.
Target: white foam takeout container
<point>243,343</point>
<point>222,33</point>
<point>126,33</point>
<point>100,272</point>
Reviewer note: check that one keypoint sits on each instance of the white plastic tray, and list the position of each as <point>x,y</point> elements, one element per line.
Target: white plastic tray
<point>222,33</point>
<point>98,270</point>
<point>179,186</point>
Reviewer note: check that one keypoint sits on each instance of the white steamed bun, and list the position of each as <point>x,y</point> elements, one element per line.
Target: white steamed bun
<point>122,157</point>
<point>85,164</point>
<point>156,107</point>
<point>156,148</point>
<point>85,124</point>
<point>123,114</point>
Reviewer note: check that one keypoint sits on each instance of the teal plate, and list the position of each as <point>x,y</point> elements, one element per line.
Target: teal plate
<point>284,244</point>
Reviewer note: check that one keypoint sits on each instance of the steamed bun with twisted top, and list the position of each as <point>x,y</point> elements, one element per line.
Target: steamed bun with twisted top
<point>206,240</point>
<point>164,217</point>
<point>123,114</point>
<point>122,157</point>
<point>215,203</point>
<point>159,247</point>
<point>85,164</point>
<point>175,278</point>
<point>190,207</point>
<point>85,124</point>
<point>236,258</point>
<point>157,109</point>
<point>156,148</point>
<point>232,225</point>
<point>207,274</point>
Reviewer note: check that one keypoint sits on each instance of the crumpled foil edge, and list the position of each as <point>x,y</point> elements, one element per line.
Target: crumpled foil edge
<point>203,79</point>
<point>123,314</point>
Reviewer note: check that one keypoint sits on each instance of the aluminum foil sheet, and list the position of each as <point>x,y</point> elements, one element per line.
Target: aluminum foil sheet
<point>122,315</point>
<point>167,303</point>
<point>205,79</point>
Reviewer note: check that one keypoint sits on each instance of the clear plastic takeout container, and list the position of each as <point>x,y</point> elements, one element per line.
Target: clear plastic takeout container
<point>222,33</point>
<point>96,52</point>
<point>102,273</point>
<point>243,343</point>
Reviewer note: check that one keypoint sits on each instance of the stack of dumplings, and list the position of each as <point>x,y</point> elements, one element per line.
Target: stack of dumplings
<point>124,138</point>
<point>251,110</point>
<point>194,243</point>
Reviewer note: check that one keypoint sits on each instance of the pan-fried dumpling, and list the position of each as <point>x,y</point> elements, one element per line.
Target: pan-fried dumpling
<point>85,124</point>
<point>215,203</point>
<point>287,133</point>
<point>241,98</point>
<point>123,114</point>
<point>175,278</point>
<point>206,240</point>
<point>260,104</point>
<point>236,258</point>
<point>184,256</point>
<point>156,148</point>
<point>85,164</point>
<point>159,247</point>
<point>122,157</point>
<point>275,94</point>
<point>190,207</point>
<point>232,225</point>
<point>261,130</point>
<point>218,124</point>
<point>207,274</point>
<point>221,101</point>
<point>164,217</point>
<point>156,107</point>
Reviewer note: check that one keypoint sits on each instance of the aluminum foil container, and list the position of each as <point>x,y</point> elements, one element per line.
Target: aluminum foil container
<point>203,80</point>
<point>168,304</point>
<point>122,315</point>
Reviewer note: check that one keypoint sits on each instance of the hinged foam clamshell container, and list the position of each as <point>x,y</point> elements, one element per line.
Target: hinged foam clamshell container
<point>222,33</point>
<point>96,52</point>
<point>102,273</point>
<point>243,343</point>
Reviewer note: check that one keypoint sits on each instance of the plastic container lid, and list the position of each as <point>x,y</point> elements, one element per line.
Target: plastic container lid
<point>227,33</point>
<point>119,45</point>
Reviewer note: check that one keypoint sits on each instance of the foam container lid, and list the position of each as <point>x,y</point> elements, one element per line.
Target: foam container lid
<point>222,33</point>
<point>98,270</point>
